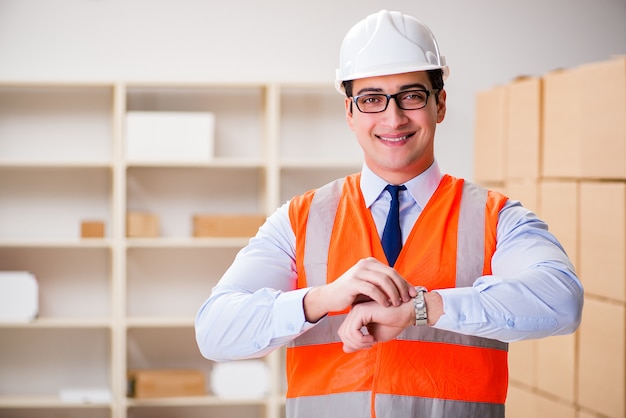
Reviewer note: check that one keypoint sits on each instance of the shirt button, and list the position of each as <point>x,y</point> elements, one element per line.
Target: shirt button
<point>510,323</point>
<point>462,318</point>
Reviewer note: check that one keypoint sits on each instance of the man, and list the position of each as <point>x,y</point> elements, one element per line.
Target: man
<point>373,332</point>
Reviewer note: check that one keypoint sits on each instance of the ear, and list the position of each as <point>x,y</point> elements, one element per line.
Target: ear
<point>441,106</point>
<point>349,113</point>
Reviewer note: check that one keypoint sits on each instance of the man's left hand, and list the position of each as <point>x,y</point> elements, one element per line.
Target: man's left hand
<point>382,324</point>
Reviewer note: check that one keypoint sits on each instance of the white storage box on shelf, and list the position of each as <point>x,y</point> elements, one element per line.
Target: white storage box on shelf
<point>19,296</point>
<point>242,379</point>
<point>153,136</point>
<point>85,395</point>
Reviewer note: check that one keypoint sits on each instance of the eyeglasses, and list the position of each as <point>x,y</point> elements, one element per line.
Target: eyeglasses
<point>406,100</point>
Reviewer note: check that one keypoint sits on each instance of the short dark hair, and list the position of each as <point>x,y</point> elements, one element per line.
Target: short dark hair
<point>435,77</point>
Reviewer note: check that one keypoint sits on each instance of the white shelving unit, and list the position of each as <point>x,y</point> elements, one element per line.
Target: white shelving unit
<point>112,304</point>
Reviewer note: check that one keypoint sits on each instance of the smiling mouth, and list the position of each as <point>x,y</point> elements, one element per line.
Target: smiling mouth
<point>394,139</point>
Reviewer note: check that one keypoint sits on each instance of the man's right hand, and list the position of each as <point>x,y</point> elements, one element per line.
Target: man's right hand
<point>368,279</point>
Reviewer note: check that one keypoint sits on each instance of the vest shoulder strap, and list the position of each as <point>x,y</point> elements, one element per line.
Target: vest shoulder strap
<point>470,255</point>
<point>319,229</point>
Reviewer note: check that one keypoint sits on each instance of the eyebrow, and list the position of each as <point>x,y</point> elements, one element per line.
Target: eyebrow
<point>402,88</point>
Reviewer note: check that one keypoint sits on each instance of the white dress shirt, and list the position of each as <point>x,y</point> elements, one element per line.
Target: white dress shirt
<point>533,291</point>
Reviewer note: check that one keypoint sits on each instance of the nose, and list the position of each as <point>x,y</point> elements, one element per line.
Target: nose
<point>394,115</point>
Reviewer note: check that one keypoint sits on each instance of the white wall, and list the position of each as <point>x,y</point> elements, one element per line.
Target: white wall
<point>485,41</point>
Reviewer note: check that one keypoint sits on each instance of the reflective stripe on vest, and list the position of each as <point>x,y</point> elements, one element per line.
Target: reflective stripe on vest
<point>356,405</point>
<point>321,219</point>
<point>326,332</point>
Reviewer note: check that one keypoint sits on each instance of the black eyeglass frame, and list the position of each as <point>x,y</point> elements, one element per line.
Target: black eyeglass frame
<point>395,98</point>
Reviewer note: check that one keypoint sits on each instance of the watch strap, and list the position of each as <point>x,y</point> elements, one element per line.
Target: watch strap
<point>421,316</point>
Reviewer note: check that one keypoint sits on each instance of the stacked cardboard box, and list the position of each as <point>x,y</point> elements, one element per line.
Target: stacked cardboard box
<point>226,225</point>
<point>558,144</point>
<point>165,383</point>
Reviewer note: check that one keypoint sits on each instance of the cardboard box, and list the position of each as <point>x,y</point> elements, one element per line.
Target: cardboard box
<point>521,402</point>
<point>553,408</point>
<point>603,239</point>
<point>169,136</point>
<point>525,403</point>
<point>602,358</point>
<point>603,90</point>
<point>165,383</point>
<point>527,192</point>
<point>559,207</point>
<point>490,135</point>
<point>524,400</point>
<point>561,146</point>
<point>92,229</point>
<point>226,225</point>
<point>523,126</point>
<point>556,366</point>
<point>584,128</point>
<point>142,224</point>
<point>522,362</point>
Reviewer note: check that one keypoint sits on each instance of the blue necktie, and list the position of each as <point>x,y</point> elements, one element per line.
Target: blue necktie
<point>392,236</point>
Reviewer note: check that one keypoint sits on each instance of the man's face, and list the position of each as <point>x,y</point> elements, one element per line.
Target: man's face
<point>398,144</point>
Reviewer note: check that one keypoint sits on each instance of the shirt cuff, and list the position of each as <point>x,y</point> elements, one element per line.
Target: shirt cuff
<point>289,314</point>
<point>462,307</point>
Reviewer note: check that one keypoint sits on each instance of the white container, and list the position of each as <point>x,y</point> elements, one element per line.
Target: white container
<point>169,136</point>
<point>85,395</point>
<point>19,296</point>
<point>241,379</point>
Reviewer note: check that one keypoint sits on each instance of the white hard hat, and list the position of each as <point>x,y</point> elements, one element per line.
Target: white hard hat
<point>388,43</point>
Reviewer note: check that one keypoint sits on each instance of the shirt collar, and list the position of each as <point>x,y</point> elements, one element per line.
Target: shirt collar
<point>421,187</point>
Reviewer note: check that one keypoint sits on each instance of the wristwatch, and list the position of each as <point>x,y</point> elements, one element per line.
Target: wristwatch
<point>421,316</point>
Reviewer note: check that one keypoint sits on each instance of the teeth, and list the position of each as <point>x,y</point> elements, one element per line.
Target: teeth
<point>394,139</point>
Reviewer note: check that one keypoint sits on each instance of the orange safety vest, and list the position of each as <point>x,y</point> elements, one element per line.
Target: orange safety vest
<point>424,371</point>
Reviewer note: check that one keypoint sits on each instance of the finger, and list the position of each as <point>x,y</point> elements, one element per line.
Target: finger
<point>400,287</point>
<point>352,333</point>
<point>374,282</point>
<point>393,288</point>
<point>369,290</point>
<point>355,340</point>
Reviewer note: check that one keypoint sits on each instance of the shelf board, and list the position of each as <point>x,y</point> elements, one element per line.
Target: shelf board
<point>20,401</point>
<point>187,242</point>
<point>160,322</point>
<point>134,86</point>
<point>77,243</point>
<point>214,163</point>
<point>195,401</point>
<point>294,164</point>
<point>55,323</point>
<point>42,164</point>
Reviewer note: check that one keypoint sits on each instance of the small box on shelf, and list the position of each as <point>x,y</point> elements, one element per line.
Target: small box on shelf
<point>226,225</point>
<point>142,225</point>
<point>161,383</point>
<point>92,229</point>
